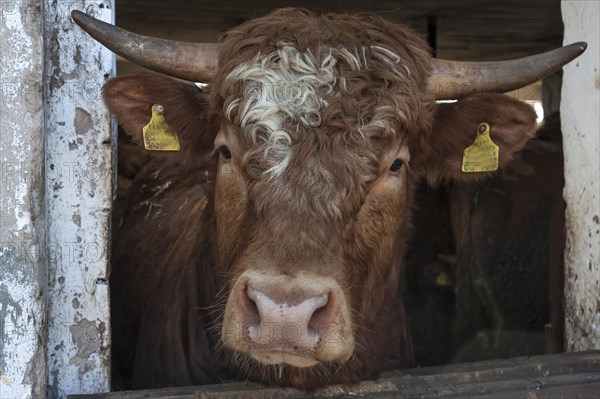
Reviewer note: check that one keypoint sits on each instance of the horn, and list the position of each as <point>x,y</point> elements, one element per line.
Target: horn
<point>191,61</point>
<point>455,79</point>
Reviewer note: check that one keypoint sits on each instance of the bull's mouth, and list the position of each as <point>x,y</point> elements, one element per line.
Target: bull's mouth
<point>281,356</point>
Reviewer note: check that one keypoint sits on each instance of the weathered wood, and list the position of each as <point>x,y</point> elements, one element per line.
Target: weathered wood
<point>581,144</point>
<point>22,267</point>
<point>467,29</point>
<point>568,375</point>
<point>78,200</point>
<point>55,198</point>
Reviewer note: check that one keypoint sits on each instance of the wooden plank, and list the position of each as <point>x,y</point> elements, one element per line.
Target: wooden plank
<point>78,201</point>
<point>22,265</point>
<point>581,142</point>
<point>467,29</point>
<point>569,375</point>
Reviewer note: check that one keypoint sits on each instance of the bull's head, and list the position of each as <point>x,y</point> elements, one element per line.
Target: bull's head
<point>322,125</point>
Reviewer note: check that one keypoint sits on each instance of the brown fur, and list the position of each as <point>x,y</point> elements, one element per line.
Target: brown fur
<point>336,210</point>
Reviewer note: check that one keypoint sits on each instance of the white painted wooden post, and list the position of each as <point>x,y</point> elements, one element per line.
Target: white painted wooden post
<point>22,264</point>
<point>55,198</point>
<point>78,200</point>
<point>580,116</point>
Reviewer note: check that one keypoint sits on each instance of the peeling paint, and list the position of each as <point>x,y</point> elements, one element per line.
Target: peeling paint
<point>22,271</point>
<point>77,219</point>
<point>34,374</point>
<point>22,350</point>
<point>83,121</point>
<point>86,336</point>
<point>10,312</point>
<point>76,122</point>
<point>5,380</point>
<point>581,141</point>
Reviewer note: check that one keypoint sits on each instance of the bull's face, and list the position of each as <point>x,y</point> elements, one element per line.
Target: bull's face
<point>311,195</point>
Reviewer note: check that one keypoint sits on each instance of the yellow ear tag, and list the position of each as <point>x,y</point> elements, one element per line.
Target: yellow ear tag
<point>482,155</point>
<point>442,280</point>
<point>158,135</point>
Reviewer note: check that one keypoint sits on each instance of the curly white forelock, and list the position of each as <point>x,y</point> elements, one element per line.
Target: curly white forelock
<point>286,89</point>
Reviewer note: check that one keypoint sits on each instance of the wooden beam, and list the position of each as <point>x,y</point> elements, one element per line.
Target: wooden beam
<point>564,375</point>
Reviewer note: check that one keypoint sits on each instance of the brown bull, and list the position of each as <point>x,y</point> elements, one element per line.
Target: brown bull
<point>270,246</point>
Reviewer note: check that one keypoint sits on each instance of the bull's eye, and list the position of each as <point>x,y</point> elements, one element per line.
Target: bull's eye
<point>396,165</point>
<point>225,153</point>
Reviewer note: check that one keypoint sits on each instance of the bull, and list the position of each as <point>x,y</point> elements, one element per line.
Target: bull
<point>270,245</point>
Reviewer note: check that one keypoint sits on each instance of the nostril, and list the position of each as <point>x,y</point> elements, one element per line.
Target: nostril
<point>248,306</point>
<point>322,319</point>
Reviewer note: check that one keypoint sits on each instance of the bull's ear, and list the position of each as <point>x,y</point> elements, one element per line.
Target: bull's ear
<point>512,123</point>
<point>130,100</point>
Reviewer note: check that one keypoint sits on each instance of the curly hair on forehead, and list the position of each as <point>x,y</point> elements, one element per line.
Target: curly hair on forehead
<point>358,73</point>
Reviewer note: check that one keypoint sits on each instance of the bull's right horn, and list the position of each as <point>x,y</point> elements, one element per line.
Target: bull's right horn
<point>191,61</point>
<point>454,79</point>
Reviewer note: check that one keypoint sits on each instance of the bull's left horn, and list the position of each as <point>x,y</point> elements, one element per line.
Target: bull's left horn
<point>191,61</point>
<point>455,79</point>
